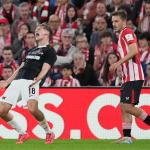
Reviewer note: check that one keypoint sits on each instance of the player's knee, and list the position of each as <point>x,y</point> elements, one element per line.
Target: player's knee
<point>126,107</point>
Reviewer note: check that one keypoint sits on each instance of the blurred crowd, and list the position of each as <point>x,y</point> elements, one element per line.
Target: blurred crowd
<point>81,34</point>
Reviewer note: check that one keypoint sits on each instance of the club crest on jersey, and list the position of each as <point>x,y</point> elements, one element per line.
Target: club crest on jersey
<point>129,37</point>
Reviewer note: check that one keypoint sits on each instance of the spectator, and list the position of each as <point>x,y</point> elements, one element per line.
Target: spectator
<point>54,24</point>
<point>42,10</point>
<point>144,21</point>
<point>8,59</point>
<point>71,18</point>
<point>114,6</point>
<point>7,72</point>
<point>29,43</point>
<point>147,80</point>
<point>83,46</point>
<point>144,48</point>
<point>101,10</point>
<point>88,13</point>
<point>66,51</point>
<point>18,43</point>
<point>9,11</point>
<point>83,71</point>
<point>24,12</point>
<point>99,26</point>
<point>61,10</point>
<point>108,42</point>
<point>5,34</point>
<point>67,79</point>
<point>107,78</point>
<point>136,12</point>
<point>101,51</point>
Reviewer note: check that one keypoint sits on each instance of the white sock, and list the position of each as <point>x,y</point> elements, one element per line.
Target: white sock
<point>16,126</point>
<point>45,126</point>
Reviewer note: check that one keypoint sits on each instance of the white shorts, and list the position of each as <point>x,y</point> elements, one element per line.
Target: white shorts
<point>19,91</point>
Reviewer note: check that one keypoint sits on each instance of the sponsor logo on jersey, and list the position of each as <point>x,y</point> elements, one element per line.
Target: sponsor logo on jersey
<point>33,57</point>
<point>129,37</point>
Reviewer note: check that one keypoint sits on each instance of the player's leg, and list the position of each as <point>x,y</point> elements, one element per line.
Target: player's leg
<point>4,111</point>
<point>8,99</point>
<point>39,116</point>
<point>31,95</point>
<point>126,126</point>
<point>137,112</point>
<point>125,96</point>
<point>126,121</point>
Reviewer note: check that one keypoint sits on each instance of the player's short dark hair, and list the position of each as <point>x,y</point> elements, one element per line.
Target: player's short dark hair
<point>45,27</point>
<point>121,13</point>
<point>8,67</point>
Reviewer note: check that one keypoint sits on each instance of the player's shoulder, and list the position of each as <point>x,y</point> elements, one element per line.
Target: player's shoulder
<point>128,34</point>
<point>49,48</point>
<point>127,31</point>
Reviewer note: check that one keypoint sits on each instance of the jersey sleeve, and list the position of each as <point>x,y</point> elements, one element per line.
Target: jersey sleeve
<point>129,36</point>
<point>50,56</point>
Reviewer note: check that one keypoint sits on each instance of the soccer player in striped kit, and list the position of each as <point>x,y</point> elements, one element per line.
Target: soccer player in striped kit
<point>132,72</point>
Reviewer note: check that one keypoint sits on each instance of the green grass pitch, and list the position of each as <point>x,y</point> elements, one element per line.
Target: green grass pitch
<point>74,145</point>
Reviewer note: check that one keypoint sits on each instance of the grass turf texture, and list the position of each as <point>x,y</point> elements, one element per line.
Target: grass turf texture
<point>74,145</point>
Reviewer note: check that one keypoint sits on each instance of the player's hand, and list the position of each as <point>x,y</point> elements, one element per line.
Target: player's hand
<point>34,82</point>
<point>114,67</point>
<point>3,84</point>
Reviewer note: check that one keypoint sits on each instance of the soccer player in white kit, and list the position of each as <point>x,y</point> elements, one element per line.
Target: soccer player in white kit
<point>24,83</point>
<point>132,75</point>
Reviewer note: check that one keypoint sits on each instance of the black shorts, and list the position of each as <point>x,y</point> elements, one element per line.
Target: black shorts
<point>130,92</point>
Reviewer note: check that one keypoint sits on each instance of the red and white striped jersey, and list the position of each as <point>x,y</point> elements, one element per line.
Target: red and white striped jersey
<point>132,69</point>
<point>67,82</point>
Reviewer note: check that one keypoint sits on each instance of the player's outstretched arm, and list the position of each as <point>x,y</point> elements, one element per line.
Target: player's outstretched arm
<point>45,68</point>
